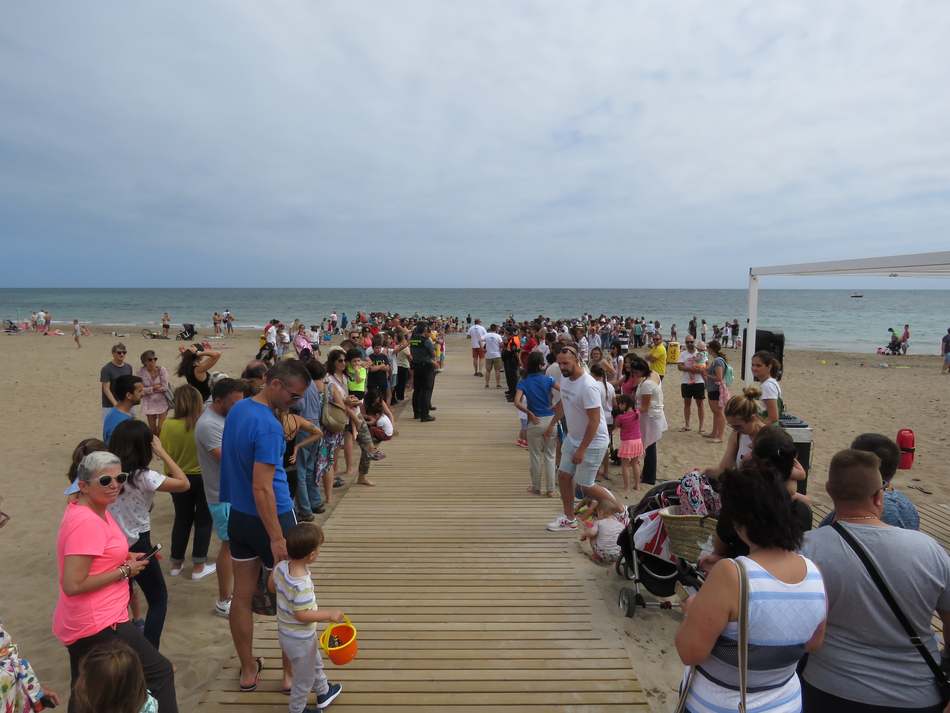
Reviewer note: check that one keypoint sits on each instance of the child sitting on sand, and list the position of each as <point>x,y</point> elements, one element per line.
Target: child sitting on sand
<point>297,617</point>
<point>631,445</point>
<point>603,532</point>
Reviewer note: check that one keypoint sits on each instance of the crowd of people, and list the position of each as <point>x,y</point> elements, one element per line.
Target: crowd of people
<point>251,460</point>
<point>836,618</point>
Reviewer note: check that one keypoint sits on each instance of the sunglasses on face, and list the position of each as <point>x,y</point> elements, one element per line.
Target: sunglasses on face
<point>120,353</point>
<point>106,480</point>
<point>152,359</point>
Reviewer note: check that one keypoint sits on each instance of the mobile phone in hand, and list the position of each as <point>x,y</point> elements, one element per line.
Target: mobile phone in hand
<point>152,552</point>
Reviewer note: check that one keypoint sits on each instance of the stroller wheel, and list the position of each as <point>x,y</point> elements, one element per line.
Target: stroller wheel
<point>628,602</point>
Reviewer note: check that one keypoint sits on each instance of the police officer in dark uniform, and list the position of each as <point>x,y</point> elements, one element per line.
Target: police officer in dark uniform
<point>422,353</point>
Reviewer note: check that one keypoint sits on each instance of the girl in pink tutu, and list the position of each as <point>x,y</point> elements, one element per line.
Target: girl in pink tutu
<point>631,447</point>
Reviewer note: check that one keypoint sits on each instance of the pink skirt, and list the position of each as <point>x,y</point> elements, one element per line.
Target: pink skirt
<point>630,449</point>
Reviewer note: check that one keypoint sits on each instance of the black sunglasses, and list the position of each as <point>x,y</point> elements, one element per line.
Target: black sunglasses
<point>106,480</point>
<point>121,353</point>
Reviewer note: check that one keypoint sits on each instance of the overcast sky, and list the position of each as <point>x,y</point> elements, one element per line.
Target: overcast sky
<point>467,144</point>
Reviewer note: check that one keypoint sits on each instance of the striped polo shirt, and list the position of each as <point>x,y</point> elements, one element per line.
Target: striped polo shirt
<point>294,594</point>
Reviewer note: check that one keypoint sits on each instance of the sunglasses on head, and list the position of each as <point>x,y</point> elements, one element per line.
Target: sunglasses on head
<point>106,480</point>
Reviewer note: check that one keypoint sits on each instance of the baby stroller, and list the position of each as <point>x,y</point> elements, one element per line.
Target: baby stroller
<point>10,327</point>
<point>658,574</point>
<point>187,332</point>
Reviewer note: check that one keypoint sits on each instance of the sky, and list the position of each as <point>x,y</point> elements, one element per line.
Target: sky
<point>468,144</point>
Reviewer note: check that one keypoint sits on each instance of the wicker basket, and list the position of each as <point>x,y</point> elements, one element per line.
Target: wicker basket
<point>688,533</point>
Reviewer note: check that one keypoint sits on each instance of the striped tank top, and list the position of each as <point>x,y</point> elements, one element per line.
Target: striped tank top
<point>782,618</point>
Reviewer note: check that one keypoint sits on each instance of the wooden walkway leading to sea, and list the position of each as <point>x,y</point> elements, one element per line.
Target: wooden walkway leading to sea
<point>462,600</point>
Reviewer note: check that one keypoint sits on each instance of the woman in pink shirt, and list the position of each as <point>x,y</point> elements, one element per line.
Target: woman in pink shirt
<point>94,563</point>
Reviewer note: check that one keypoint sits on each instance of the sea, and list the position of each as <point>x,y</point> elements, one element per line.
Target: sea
<point>810,319</point>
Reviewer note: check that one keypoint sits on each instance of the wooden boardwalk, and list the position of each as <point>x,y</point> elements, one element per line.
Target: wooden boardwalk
<point>462,600</point>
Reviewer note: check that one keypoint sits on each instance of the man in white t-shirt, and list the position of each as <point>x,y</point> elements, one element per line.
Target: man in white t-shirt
<point>493,342</point>
<point>693,387</point>
<point>477,334</point>
<point>586,441</point>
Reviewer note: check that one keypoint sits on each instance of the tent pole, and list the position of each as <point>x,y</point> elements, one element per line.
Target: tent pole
<point>752,326</point>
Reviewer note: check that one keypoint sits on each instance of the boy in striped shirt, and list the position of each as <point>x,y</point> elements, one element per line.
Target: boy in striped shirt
<point>297,617</point>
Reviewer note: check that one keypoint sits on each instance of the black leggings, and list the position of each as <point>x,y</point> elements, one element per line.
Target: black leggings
<point>159,675</point>
<point>648,474</point>
<point>191,509</point>
<point>152,584</point>
<point>402,378</point>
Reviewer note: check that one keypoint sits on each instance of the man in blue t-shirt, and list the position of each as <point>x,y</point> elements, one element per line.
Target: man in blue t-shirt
<point>128,391</point>
<point>254,482</point>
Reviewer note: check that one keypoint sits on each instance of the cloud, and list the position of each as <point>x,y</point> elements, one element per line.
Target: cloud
<point>467,144</point>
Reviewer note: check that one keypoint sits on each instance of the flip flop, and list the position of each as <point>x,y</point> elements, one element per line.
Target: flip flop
<point>248,688</point>
<point>920,488</point>
<point>684,429</point>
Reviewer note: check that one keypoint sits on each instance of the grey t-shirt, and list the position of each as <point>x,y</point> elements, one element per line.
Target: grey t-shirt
<point>867,656</point>
<point>110,372</point>
<point>208,433</point>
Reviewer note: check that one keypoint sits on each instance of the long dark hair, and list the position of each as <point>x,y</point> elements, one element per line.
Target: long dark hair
<point>131,441</point>
<point>755,497</point>
<point>186,366</point>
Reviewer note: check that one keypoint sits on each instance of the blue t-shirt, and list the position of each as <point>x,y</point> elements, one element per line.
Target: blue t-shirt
<point>252,434</point>
<point>537,392</point>
<point>113,418</point>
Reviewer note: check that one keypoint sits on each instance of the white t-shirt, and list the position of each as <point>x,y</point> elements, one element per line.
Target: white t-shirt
<point>131,508</point>
<point>578,395</point>
<point>771,389</point>
<point>492,345</point>
<point>477,334</point>
<point>385,424</point>
<point>607,397</point>
<point>608,531</point>
<point>692,359</point>
<point>584,348</point>
<point>543,348</point>
<point>655,392</point>
<point>270,335</point>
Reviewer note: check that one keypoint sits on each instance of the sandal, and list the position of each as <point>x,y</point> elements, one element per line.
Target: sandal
<point>684,429</point>
<point>249,687</point>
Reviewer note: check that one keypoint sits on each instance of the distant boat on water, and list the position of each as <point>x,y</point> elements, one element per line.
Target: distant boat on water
<point>856,295</point>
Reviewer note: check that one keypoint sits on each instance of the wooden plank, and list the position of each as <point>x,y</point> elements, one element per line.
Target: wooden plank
<point>463,601</point>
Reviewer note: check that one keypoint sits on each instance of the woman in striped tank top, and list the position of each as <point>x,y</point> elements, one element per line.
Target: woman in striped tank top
<point>787,605</point>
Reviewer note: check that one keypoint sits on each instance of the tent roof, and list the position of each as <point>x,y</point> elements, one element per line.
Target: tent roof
<point>916,265</point>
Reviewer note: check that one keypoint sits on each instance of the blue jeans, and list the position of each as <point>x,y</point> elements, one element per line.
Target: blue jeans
<point>307,498</point>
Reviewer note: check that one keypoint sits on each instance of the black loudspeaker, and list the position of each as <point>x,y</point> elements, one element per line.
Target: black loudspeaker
<point>768,341</point>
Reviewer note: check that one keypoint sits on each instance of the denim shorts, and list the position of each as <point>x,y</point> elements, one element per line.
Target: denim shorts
<point>219,517</point>
<point>585,473</point>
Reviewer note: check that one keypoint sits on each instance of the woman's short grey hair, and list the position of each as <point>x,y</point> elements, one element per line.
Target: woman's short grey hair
<point>95,463</point>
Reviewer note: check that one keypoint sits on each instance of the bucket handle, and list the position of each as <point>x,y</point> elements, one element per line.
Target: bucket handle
<point>325,635</point>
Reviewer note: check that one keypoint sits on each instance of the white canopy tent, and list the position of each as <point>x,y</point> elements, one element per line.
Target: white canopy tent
<point>916,265</point>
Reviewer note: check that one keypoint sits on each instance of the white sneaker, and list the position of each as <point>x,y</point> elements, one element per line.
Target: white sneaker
<point>209,568</point>
<point>223,609</point>
<point>562,524</point>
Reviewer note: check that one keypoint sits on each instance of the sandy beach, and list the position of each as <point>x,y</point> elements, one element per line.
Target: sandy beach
<point>52,401</point>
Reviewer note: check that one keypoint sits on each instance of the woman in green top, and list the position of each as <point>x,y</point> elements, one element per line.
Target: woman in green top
<point>191,506</point>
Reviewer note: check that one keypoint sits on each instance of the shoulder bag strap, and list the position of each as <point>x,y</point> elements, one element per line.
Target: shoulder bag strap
<point>885,591</point>
<point>743,651</point>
